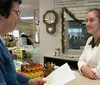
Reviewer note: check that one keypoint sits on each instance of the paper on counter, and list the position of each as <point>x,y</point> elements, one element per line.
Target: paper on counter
<point>60,76</point>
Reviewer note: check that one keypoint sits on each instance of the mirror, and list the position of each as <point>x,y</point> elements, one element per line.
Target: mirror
<point>23,27</point>
<point>73,32</point>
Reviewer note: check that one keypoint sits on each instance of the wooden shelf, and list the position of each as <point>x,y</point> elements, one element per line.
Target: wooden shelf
<point>72,61</point>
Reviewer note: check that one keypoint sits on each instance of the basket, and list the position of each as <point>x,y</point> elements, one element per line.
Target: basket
<point>47,71</point>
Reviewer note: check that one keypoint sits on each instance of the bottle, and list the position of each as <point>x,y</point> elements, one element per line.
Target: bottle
<point>57,51</point>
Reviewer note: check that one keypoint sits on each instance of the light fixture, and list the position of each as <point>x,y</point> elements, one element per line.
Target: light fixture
<point>27,18</point>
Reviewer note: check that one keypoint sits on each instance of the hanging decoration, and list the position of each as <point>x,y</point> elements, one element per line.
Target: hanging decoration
<point>64,9</point>
<point>62,31</point>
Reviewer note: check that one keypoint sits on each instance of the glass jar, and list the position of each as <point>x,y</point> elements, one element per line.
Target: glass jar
<point>57,51</point>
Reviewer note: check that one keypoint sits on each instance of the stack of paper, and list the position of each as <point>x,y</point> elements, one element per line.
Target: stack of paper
<point>60,76</point>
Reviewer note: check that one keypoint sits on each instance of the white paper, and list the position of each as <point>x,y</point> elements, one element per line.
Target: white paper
<point>60,76</point>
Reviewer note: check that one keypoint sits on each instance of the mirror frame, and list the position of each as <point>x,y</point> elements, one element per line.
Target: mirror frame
<point>64,9</point>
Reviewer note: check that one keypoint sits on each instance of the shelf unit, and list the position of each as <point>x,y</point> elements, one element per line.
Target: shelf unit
<point>72,61</point>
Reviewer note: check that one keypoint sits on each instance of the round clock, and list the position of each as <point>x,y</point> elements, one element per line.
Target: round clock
<point>50,18</point>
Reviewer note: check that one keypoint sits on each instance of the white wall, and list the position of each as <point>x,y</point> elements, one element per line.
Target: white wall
<point>48,42</point>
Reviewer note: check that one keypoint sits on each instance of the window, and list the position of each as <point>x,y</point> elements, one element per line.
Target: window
<point>77,35</point>
<point>73,33</point>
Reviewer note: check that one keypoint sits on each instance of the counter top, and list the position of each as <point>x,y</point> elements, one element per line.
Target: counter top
<point>82,80</point>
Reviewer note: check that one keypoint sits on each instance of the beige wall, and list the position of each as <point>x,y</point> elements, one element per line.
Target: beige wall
<point>48,42</point>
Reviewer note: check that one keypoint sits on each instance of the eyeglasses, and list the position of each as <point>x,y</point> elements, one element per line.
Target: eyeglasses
<point>17,12</point>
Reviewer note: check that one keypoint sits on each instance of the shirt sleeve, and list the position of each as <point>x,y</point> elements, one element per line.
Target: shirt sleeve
<point>83,56</point>
<point>2,81</point>
<point>22,79</point>
<point>97,68</point>
<point>81,61</point>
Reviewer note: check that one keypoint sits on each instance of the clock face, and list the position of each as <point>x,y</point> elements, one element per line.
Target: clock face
<point>50,18</point>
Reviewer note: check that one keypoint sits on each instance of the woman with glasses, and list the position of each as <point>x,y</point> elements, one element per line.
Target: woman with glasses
<point>9,16</point>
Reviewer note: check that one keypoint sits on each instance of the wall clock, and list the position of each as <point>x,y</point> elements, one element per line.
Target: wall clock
<point>50,18</point>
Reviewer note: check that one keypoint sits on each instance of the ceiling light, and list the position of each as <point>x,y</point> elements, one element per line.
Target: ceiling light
<point>27,18</point>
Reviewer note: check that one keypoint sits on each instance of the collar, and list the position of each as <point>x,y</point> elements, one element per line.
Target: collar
<point>94,43</point>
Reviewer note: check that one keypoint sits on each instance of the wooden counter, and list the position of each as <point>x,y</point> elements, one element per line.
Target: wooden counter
<point>82,80</point>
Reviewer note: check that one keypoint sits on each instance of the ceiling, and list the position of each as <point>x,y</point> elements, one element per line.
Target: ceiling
<point>28,6</point>
<point>27,10</point>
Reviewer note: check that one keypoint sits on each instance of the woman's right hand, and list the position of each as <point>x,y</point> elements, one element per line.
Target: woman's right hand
<point>88,72</point>
<point>37,81</point>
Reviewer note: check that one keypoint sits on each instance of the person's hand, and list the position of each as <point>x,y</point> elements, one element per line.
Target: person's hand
<point>88,72</point>
<point>36,81</point>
